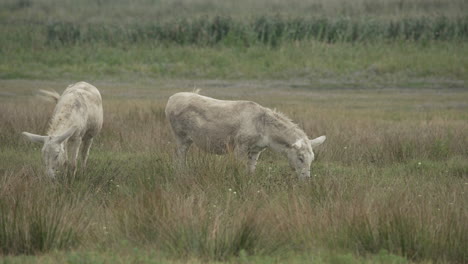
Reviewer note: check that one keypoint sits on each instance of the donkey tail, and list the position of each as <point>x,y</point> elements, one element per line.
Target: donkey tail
<point>52,96</point>
<point>196,90</point>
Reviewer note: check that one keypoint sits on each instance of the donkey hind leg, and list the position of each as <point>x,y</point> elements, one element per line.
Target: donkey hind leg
<point>183,145</point>
<point>85,151</point>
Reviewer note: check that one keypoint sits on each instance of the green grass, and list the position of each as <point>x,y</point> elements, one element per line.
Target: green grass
<point>144,256</point>
<point>320,64</point>
<point>267,30</point>
<point>164,10</point>
<point>326,43</point>
<point>388,186</point>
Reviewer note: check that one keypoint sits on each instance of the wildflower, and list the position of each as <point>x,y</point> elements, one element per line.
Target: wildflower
<point>419,163</point>
<point>345,147</point>
<point>234,192</point>
<point>117,185</point>
<point>230,189</point>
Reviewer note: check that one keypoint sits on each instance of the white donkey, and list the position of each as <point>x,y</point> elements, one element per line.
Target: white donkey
<point>244,127</point>
<point>77,118</point>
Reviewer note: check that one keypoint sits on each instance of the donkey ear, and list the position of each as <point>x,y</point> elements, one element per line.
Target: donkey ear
<point>317,141</point>
<point>34,138</point>
<point>66,135</point>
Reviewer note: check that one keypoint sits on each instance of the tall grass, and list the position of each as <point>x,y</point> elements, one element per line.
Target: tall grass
<point>404,223</point>
<point>388,178</point>
<point>413,42</point>
<point>224,30</point>
<point>208,23</point>
<point>36,217</point>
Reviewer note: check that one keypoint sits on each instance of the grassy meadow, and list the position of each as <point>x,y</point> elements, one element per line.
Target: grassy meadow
<point>388,186</point>
<point>384,80</point>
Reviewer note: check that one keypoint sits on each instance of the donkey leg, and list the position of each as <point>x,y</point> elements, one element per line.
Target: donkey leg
<point>183,145</point>
<point>243,154</point>
<point>74,149</point>
<point>252,161</point>
<point>85,151</point>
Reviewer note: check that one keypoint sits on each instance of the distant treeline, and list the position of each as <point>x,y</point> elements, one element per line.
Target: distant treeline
<point>269,30</point>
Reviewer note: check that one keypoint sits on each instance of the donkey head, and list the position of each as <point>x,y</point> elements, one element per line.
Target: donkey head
<point>301,155</point>
<point>54,155</point>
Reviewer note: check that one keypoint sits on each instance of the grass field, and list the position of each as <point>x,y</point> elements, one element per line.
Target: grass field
<point>380,43</point>
<point>385,80</point>
<point>392,176</point>
<point>439,65</point>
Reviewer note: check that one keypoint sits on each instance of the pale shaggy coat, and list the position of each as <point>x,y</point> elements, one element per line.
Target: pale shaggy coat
<point>244,127</point>
<point>76,120</point>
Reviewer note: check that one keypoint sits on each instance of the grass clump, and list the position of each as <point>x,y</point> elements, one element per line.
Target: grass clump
<point>37,218</point>
<point>400,229</point>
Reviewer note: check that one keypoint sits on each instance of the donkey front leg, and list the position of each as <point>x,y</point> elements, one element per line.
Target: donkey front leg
<point>87,142</point>
<point>248,157</point>
<point>74,147</point>
<point>252,161</point>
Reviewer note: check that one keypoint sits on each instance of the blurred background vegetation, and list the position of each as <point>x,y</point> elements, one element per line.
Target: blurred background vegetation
<point>390,39</point>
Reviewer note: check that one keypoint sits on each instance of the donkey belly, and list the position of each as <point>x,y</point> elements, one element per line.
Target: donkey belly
<point>212,147</point>
<point>214,137</point>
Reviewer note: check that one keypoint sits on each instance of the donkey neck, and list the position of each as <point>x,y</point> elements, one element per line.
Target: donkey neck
<point>282,132</point>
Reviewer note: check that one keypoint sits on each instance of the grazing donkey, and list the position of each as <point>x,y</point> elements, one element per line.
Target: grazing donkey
<point>244,127</point>
<point>77,118</point>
